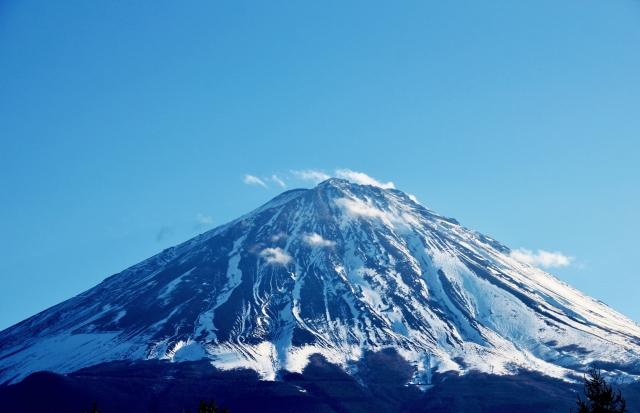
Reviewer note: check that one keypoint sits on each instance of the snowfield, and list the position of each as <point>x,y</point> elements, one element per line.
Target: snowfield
<point>337,270</point>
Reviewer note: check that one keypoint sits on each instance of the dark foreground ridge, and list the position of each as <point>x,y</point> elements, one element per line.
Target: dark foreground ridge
<point>380,386</point>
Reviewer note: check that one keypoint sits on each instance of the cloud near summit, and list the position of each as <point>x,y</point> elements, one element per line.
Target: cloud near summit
<point>353,176</point>
<point>316,177</point>
<point>359,208</point>
<point>310,175</point>
<point>362,178</point>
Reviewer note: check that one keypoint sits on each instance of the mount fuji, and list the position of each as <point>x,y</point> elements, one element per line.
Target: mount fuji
<point>339,270</point>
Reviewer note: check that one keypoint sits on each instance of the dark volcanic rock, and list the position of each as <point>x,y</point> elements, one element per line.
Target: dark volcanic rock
<point>379,386</point>
<point>384,294</point>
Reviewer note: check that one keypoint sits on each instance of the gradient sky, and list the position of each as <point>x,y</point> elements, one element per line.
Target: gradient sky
<point>128,127</point>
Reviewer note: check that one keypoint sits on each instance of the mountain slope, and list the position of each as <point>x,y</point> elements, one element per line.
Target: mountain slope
<point>338,270</point>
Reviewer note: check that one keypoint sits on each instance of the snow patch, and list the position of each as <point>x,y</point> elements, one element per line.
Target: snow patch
<point>168,289</point>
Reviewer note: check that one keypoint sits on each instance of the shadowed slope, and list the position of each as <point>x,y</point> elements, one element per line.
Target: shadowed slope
<point>339,270</point>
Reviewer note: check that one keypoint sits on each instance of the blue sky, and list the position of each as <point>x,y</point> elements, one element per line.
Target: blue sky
<point>128,127</point>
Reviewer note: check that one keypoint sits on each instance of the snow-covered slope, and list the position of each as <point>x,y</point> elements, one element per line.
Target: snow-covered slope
<point>338,270</point>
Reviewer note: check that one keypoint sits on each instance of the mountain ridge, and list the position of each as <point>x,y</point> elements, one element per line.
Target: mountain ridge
<point>336,270</point>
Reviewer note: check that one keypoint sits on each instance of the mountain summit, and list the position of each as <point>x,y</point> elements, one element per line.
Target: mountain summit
<point>338,270</point>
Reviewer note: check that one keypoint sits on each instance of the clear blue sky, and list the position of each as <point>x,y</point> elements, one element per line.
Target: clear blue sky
<point>128,127</point>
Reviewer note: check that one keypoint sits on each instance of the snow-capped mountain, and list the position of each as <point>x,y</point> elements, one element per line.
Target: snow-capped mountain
<point>339,269</point>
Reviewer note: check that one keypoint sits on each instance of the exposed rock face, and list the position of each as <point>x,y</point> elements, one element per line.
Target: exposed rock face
<point>338,270</point>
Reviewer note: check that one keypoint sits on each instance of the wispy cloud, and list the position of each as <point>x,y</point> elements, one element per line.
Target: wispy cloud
<point>202,221</point>
<point>279,236</point>
<point>277,180</point>
<point>361,178</point>
<point>413,198</point>
<point>276,256</point>
<point>311,175</point>
<point>318,176</point>
<point>253,180</point>
<point>542,258</point>
<point>316,240</point>
<point>163,233</point>
<point>358,208</point>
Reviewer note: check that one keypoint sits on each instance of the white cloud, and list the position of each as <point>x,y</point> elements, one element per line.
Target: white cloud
<point>316,177</point>
<point>413,198</point>
<point>361,178</point>
<point>542,258</point>
<point>311,175</point>
<point>276,256</point>
<point>202,220</point>
<point>277,180</point>
<point>317,240</point>
<point>252,180</point>
<point>279,236</point>
<point>358,208</point>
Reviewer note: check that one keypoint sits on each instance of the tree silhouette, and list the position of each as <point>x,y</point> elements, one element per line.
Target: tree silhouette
<point>600,397</point>
<point>209,408</point>
<point>94,409</point>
